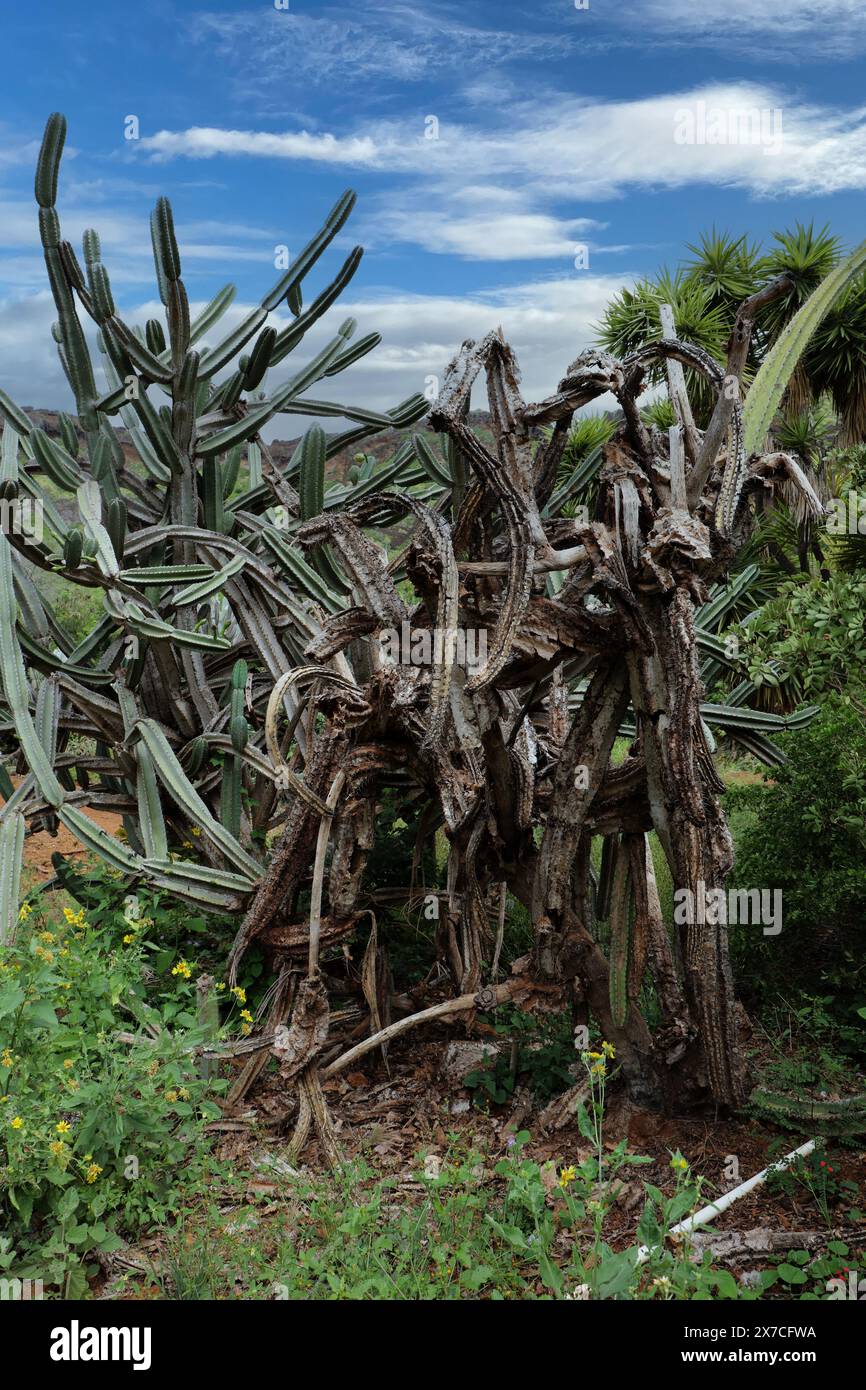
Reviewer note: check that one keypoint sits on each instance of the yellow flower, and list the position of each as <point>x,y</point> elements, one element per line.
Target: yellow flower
<point>75,919</point>
<point>182,968</point>
<point>221,985</point>
<point>194,831</point>
<point>6,1059</point>
<point>594,1056</point>
<point>187,844</point>
<point>57,1147</point>
<point>171,1097</point>
<point>93,1172</point>
<point>18,1123</point>
<point>599,1069</point>
<point>183,1093</point>
<point>128,939</point>
<point>72,1085</point>
<point>566,1176</point>
<point>68,1063</point>
<point>246,1028</point>
<point>239,994</point>
<point>63,1127</point>
<point>47,937</point>
<point>679,1162</point>
<point>246,1016</point>
<point>608,1049</point>
<point>24,912</point>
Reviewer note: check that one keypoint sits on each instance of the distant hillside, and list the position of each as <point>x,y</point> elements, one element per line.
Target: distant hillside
<point>381,446</point>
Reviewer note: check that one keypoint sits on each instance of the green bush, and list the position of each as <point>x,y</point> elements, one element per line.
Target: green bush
<point>810,637</point>
<point>97,1131</point>
<point>804,832</point>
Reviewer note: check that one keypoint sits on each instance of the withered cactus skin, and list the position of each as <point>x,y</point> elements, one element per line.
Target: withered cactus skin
<point>236,683</point>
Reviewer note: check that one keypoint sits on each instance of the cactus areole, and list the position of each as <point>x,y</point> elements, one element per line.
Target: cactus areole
<point>235,691</point>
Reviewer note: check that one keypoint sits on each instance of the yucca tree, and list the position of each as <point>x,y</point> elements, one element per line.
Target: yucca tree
<point>836,362</point>
<point>721,271</point>
<point>813,432</point>
<point>727,267</point>
<point>632,320</point>
<point>805,255</point>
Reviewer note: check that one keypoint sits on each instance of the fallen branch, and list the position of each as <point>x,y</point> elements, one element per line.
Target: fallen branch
<point>485,999</point>
<point>754,1244</point>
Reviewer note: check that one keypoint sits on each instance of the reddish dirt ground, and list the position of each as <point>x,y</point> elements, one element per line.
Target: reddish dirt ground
<point>39,848</point>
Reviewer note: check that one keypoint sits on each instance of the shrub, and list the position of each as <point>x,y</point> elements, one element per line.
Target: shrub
<point>810,637</point>
<point>96,1131</point>
<point>805,833</point>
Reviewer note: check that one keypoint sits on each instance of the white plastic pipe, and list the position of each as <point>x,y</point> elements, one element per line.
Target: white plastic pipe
<point>706,1214</point>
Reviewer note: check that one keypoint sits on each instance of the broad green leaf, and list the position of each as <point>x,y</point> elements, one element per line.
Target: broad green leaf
<point>768,388</point>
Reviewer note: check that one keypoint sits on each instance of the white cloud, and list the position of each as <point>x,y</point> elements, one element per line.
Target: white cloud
<point>494,237</point>
<point>477,222</point>
<point>547,322</point>
<point>30,371</point>
<point>586,148</point>
<point>203,142</point>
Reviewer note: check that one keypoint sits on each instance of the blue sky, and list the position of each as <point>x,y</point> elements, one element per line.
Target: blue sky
<point>557,128</point>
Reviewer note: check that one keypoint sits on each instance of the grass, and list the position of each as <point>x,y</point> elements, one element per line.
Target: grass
<point>466,1226</point>
<point>76,608</point>
<point>351,1235</point>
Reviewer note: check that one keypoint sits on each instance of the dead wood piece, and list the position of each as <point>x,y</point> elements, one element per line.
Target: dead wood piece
<point>753,1244</point>
<point>298,1045</point>
<point>481,1000</point>
<point>562,1110</point>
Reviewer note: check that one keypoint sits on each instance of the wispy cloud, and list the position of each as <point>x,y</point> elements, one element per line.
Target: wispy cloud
<point>829,29</point>
<point>204,142</point>
<point>125,238</point>
<point>18,150</point>
<point>478,222</point>
<point>578,146</point>
<point>346,44</point>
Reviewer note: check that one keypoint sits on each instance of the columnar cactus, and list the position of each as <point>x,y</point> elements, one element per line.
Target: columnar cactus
<point>236,681</point>
<point>207,600</point>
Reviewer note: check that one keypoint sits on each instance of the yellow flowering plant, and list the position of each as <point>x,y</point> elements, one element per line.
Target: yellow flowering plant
<point>90,1144</point>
